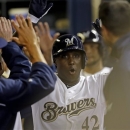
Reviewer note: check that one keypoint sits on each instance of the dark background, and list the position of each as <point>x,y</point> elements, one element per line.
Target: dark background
<point>77,12</point>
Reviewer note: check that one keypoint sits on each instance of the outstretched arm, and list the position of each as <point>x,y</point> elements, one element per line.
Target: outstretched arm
<point>16,61</point>
<point>19,93</point>
<point>46,41</point>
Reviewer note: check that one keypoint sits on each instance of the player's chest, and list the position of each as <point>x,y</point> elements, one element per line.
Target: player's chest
<point>83,114</point>
<point>71,108</point>
<point>70,104</point>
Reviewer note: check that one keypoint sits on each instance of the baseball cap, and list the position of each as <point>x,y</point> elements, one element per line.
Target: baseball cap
<point>67,42</point>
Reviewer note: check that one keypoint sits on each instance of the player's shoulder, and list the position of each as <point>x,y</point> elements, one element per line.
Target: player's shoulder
<point>106,70</point>
<point>89,79</point>
<point>101,75</point>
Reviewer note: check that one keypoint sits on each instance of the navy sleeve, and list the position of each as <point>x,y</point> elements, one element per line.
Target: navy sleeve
<point>18,94</point>
<point>16,61</point>
<point>27,111</point>
<point>53,67</point>
<point>3,42</point>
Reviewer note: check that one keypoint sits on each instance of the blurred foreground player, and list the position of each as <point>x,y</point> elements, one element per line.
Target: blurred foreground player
<point>115,30</point>
<point>25,85</point>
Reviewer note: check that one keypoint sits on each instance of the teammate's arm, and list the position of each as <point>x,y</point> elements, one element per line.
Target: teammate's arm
<point>46,41</point>
<point>19,93</point>
<point>12,55</point>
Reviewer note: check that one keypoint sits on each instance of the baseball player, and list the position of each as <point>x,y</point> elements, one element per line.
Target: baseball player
<point>77,103</point>
<point>96,53</point>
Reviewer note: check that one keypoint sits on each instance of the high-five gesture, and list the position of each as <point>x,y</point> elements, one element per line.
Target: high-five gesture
<point>46,40</point>
<point>27,37</point>
<point>25,30</point>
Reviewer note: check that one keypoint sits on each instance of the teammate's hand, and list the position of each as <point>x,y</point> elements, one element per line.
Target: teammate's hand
<point>28,38</point>
<point>46,40</point>
<point>25,30</point>
<point>5,29</point>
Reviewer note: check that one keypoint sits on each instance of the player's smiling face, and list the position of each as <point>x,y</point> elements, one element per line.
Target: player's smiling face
<point>69,66</point>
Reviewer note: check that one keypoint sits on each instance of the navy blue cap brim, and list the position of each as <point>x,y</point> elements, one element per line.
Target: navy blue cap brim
<point>68,49</point>
<point>3,43</point>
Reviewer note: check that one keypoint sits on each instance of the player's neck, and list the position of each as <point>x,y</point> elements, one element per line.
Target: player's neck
<point>98,66</point>
<point>70,83</point>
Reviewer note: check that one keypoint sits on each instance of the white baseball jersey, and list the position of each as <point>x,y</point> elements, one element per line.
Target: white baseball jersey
<point>80,107</point>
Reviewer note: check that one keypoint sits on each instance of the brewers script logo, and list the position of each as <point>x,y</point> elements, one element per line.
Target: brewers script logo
<point>52,110</point>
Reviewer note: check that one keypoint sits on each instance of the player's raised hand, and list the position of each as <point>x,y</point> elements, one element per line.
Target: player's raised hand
<point>46,40</point>
<point>28,38</point>
<point>25,30</point>
<point>5,29</point>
